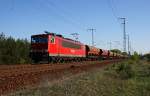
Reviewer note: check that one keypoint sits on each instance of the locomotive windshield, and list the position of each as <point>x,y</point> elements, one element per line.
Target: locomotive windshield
<point>39,40</point>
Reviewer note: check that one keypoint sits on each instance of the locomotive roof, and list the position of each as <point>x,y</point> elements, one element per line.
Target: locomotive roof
<point>58,35</point>
<point>39,35</point>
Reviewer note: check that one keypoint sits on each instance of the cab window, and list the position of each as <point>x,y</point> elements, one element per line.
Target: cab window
<point>39,40</point>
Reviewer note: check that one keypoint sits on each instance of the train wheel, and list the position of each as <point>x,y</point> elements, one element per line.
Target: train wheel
<point>53,60</point>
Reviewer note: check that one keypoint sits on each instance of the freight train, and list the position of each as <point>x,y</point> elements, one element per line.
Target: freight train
<point>53,47</point>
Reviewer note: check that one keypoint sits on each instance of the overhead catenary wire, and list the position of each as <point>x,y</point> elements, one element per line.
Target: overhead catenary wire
<point>113,10</point>
<point>62,14</point>
<point>12,6</point>
<point>67,13</point>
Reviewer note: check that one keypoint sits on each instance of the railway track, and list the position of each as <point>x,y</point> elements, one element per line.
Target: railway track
<point>16,77</point>
<point>10,70</point>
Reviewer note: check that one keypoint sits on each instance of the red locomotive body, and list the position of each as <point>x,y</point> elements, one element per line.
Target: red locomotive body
<point>54,47</point>
<point>59,46</point>
<point>39,47</point>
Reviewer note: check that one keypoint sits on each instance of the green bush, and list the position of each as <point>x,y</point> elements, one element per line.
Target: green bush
<point>14,51</point>
<point>124,70</point>
<point>135,57</point>
<point>129,69</point>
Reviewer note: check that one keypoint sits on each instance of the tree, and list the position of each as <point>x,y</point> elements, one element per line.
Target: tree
<point>135,56</point>
<point>124,53</point>
<point>14,51</point>
<point>116,51</point>
<point>2,36</point>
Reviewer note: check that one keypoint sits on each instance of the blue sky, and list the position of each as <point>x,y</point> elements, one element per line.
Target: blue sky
<point>23,18</point>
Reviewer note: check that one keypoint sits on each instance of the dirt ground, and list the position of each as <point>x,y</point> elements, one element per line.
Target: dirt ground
<point>20,77</point>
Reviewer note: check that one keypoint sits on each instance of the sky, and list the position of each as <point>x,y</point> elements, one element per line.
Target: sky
<point>23,18</point>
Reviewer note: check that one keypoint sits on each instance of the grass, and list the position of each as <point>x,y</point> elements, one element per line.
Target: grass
<point>124,79</point>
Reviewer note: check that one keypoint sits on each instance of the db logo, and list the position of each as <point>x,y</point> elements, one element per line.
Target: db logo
<point>72,51</point>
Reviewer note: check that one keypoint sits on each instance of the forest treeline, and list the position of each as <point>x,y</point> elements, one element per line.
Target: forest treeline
<point>14,51</point>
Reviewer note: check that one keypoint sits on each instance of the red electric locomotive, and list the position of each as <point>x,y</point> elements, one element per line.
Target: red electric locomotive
<point>52,47</point>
